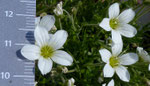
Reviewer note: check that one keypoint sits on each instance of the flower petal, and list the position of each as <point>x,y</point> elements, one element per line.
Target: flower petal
<point>58,39</point>
<point>31,52</point>
<point>104,84</point>
<point>108,71</point>
<point>128,59</point>
<point>62,58</point>
<point>47,22</point>
<point>126,16</point>
<point>37,20</point>
<point>111,83</point>
<point>114,10</point>
<point>41,36</point>
<point>71,82</point>
<point>50,35</point>
<point>105,24</point>
<point>143,54</point>
<point>127,30</point>
<point>117,48</point>
<point>45,65</point>
<point>105,55</point>
<point>123,73</point>
<point>116,37</point>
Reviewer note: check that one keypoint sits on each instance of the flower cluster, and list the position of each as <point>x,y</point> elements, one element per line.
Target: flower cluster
<point>118,25</point>
<point>48,47</point>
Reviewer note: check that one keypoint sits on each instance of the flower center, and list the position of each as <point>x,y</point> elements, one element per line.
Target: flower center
<point>113,23</point>
<point>114,61</point>
<point>47,51</point>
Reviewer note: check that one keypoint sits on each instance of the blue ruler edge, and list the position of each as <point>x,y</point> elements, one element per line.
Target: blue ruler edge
<point>17,23</point>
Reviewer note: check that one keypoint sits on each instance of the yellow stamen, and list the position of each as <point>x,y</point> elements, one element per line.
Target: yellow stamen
<point>47,51</point>
<point>114,61</point>
<point>113,23</point>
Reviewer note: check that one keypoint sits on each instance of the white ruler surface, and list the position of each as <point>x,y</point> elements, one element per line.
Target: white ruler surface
<point>17,23</point>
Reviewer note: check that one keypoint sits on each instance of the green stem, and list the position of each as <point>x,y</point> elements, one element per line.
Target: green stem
<point>70,71</point>
<point>104,45</point>
<point>75,61</point>
<point>67,13</point>
<point>74,28</point>
<point>77,65</point>
<point>90,25</point>
<point>72,21</point>
<point>140,10</point>
<point>71,18</point>
<point>94,64</point>
<point>62,78</point>
<point>143,13</point>
<point>137,7</point>
<point>60,24</point>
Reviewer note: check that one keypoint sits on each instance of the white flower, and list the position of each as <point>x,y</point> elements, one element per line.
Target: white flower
<point>45,21</point>
<point>58,10</point>
<point>115,61</point>
<point>71,82</point>
<point>118,24</point>
<point>144,55</point>
<point>111,83</point>
<point>46,49</point>
<point>64,69</point>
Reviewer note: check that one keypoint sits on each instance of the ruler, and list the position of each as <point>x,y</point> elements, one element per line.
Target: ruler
<point>17,23</point>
